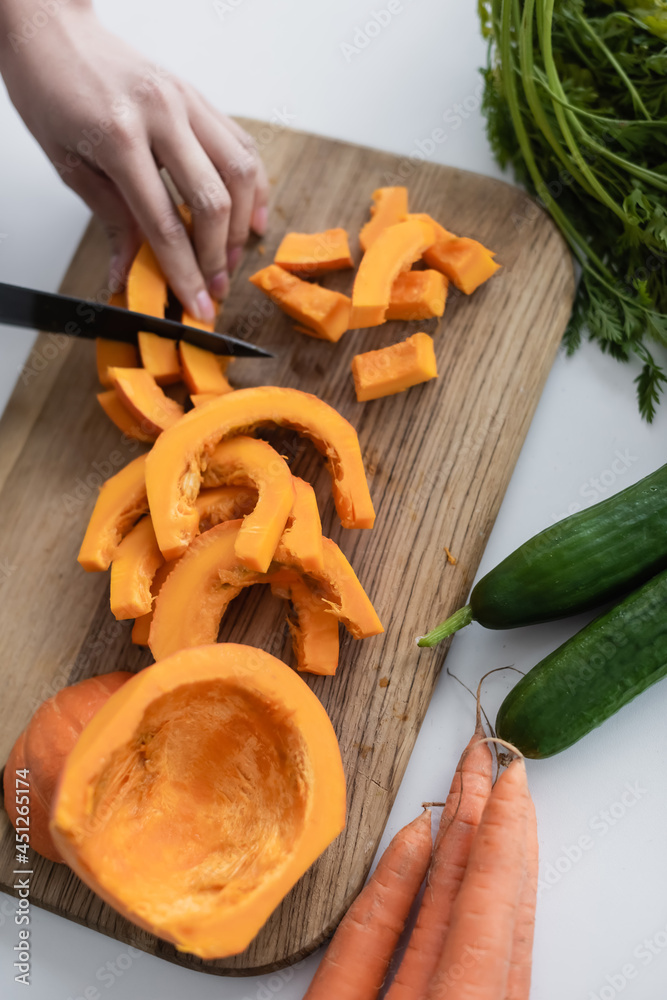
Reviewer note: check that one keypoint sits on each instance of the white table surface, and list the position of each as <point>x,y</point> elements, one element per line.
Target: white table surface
<point>600,909</point>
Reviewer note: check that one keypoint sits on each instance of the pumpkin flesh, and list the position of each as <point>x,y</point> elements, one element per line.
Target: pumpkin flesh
<point>121,502</point>
<point>125,421</point>
<point>395,368</point>
<point>173,467</point>
<point>200,793</point>
<point>142,396</point>
<point>312,254</point>
<point>320,312</point>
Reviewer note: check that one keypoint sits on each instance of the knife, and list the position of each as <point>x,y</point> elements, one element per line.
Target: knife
<point>79,318</point>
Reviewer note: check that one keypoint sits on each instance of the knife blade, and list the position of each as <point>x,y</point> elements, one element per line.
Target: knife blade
<point>74,317</point>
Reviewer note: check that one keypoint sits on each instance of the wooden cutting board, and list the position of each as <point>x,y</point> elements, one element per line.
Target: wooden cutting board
<point>438,458</point>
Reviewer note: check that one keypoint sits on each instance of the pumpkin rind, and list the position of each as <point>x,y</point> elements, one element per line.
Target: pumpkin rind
<point>202,860</point>
<point>44,745</point>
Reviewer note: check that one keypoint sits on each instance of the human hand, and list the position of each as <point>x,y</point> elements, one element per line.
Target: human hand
<point>108,120</point>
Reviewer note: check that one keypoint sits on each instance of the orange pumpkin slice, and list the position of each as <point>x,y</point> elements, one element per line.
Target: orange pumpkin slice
<point>313,628</point>
<point>224,503</point>
<point>134,565</point>
<point>121,502</point>
<point>142,396</point>
<point>194,597</point>
<point>392,369</point>
<point>337,584</point>
<point>224,737</point>
<point>173,469</point>
<point>203,370</point>
<point>147,293</point>
<point>119,414</point>
<point>201,398</point>
<point>303,534</point>
<point>142,625</point>
<point>114,354</point>
<point>242,460</point>
<point>43,747</point>
<point>390,205</point>
<point>417,295</point>
<point>322,312</point>
<point>395,250</point>
<point>312,254</point>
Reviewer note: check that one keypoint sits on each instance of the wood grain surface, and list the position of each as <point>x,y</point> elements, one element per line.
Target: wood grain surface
<point>438,459</point>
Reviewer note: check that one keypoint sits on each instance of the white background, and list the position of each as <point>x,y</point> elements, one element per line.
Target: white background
<point>251,57</point>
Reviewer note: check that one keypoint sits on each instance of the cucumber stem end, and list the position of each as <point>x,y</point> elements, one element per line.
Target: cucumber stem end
<point>458,620</point>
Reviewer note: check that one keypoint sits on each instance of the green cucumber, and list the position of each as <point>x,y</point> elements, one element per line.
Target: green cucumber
<point>587,679</point>
<point>576,564</point>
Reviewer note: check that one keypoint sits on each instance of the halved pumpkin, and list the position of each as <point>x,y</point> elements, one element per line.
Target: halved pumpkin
<point>42,749</point>
<point>121,502</point>
<point>134,565</point>
<point>142,396</point>
<point>119,414</point>
<point>173,468</point>
<point>200,793</point>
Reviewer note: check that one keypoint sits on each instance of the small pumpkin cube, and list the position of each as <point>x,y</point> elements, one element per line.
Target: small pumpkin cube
<point>395,368</point>
<point>418,295</point>
<point>312,254</point>
<point>465,262</point>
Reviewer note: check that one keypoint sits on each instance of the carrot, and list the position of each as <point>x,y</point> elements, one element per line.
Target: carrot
<point>518,983</point>
<point>468,795</point>
<point>475,961</point>
<point>356,962</point>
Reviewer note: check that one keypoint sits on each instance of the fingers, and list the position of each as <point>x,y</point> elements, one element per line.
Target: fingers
<point>133,168</point>
<point>210,202</point>
<point>260,211</point>
<point>236,160</point>
<point>105,200</point>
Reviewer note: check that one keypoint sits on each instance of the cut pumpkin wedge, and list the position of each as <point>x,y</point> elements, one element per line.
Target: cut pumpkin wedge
<point>121,502</point>
<point>134,565</point>
<point>320,312</point>
<point>312,254</point>
<point>313,628</point>
<point>303,533</point>
<point>196,594</point>
<point>114,354</point>
<point>142,396</point>
<point>147,293</point>
<point>173,469</point>
<point>142,625</point>
<point>242,460</point>
<point>395,250</point>
<point>390,205</point>
<point>119,414</point>
<point>203,370</point>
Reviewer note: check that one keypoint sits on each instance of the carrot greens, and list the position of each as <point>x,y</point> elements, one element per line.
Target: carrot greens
<point>576,103</point>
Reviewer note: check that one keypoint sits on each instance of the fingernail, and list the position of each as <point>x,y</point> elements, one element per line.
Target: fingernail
<point>233,257</point>
<point>218,286</point>
<point>260,217</point>
<point>205,310</point>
